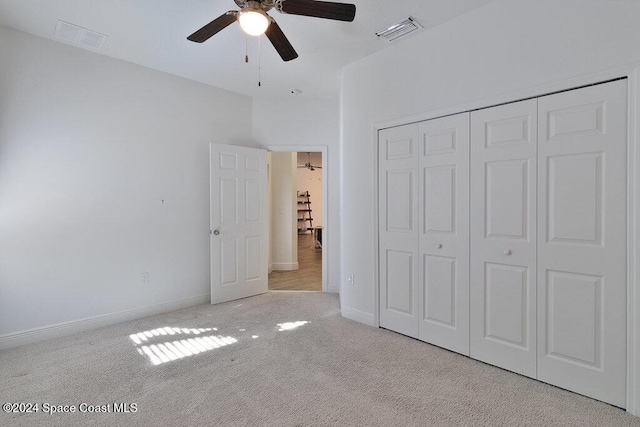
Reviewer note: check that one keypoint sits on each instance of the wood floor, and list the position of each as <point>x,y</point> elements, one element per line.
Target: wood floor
<point>308,277</point>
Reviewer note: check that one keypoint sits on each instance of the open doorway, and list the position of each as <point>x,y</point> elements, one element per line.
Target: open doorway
<point>296,206</point>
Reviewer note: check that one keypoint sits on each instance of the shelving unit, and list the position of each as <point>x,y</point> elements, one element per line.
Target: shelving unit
<point>304,212</point>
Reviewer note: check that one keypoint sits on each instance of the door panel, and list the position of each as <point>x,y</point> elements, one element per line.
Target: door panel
<point>442,141</point>
<point>575,323</point>
<point>398,241</point>
<point>444,235</point>
<point>228,202</point>
<point>507,199</point>
<point>575,211</point>
<point>440,290</point>
<point>506,292</point>
<point>253,259</point>
<point>503,238</point>
<point>228,248</point>
<point>399,203</point>
<point>252,200</point>
<point>508,132</point>
<point>582,241</point>
<point>239,239</point>
<point>575,122</point>
<point>399,280</point>
<point>440,199</point>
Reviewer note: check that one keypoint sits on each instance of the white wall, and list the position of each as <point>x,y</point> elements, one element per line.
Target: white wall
<point>104,174</point>
<point>299,122</point>
<point>284,231</point>
<point>505,47</point>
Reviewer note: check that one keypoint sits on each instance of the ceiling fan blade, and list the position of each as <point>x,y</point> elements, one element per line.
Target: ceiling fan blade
<point>319,9</point>
<point>213,27</point>
<point>280,41</point>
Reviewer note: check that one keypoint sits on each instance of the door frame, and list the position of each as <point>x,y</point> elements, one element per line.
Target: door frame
<point>326,233</point>
<point>632,73</point>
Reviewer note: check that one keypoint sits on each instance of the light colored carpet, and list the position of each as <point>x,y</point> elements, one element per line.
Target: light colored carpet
<point>329,371</point>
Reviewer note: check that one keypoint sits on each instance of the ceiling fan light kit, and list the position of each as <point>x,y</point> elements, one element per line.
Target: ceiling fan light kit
<point>254,20</point>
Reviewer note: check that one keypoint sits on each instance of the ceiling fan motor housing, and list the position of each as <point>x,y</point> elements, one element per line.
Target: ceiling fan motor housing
<point>264,5</point>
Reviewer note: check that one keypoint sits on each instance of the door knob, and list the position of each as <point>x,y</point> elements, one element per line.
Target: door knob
<point>216,232</point>
<point>439,246</point>
<point>507,252</point>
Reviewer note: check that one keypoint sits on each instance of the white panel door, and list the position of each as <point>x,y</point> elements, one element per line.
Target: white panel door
<point>239,222</point>
<point>444,232</point>
<point>582,242</point>
<point>398,229</point>
<point>503,236</point>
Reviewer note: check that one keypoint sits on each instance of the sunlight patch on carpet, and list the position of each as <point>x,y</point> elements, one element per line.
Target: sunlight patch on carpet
<point>291,325</point>
<point>168,351</point>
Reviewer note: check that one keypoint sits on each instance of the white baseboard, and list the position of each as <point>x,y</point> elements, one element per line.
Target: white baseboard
<point>358,316</point>
<point>285,266</point>
<point>75,326</point>
<point>333,288</point>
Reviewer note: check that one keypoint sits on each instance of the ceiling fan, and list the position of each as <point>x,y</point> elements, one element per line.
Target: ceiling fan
<point>308,165</point>
<point>254,20</point>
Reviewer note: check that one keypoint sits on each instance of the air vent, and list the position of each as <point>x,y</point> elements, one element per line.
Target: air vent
<point>80,36</point>
<point>401,29</point>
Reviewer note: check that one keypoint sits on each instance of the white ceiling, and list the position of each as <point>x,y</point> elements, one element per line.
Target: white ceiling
<point>153,33</point>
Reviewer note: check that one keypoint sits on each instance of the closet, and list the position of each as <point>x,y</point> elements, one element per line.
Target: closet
<point>502,236</point>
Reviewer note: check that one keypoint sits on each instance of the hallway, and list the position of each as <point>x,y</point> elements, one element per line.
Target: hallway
<point>308,277</point>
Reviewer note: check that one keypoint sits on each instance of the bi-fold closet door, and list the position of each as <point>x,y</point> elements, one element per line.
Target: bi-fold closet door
<point>424,231</point>
<point>538,190</point>
<point>503,236</point>
<point>548,239</point>
<point>582,223</point>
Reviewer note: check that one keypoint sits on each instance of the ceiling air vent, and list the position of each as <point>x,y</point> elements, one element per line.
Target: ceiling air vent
<point>80,36</point>
<point>401,29</point>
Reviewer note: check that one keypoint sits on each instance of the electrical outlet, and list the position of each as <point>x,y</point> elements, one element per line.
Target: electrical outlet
<point>144,278</point>
<point>350,279</point>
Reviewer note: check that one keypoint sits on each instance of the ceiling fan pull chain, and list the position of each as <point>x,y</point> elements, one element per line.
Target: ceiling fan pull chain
<point>246,48</point>
<point>259,61</point>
